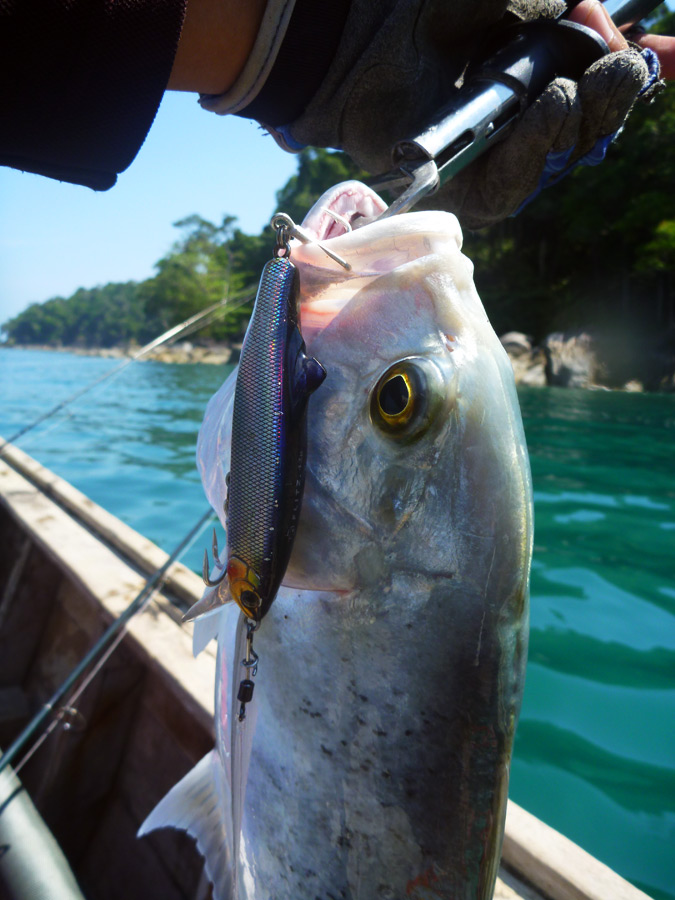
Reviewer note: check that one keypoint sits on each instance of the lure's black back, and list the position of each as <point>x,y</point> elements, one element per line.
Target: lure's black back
<point>274,382</point>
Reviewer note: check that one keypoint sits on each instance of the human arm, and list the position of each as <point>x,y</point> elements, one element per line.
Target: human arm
<point>391,73</point>
<point>216,40</point>
<point>82,79</point>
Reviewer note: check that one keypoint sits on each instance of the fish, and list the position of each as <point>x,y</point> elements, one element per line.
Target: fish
<point>374,761</point>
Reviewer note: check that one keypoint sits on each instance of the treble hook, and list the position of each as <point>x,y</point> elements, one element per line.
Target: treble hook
<point>216,559</point>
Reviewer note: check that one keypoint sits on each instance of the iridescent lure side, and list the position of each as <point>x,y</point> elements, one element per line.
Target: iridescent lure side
<point>268,446</point>
<point>269,436</point>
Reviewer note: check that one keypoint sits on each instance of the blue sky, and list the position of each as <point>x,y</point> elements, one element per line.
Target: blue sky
<point>57,237</point>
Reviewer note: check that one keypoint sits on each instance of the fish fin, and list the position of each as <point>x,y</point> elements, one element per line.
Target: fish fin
<point>212,600</point>
<point>314,373</point>
<point>306,373</point>
<point>195,805</point>
<point>205,630</point>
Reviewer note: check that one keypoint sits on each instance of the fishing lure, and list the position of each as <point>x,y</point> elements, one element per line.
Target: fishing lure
<point>269,437</point>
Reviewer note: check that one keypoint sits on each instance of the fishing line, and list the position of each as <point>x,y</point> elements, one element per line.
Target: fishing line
<point>199,320</point>
<point>114,373</point>
<point>98,655</point>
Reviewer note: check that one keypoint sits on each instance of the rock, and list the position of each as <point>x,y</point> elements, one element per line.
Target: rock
<point>571,360</point>
<point>217,358</point>
<point>634,386</point>
<point>528,362</point>
<point>516,344</point>
<point>667,384</point>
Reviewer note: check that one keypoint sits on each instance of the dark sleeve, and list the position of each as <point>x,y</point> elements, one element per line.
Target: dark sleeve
<point>80,83</point>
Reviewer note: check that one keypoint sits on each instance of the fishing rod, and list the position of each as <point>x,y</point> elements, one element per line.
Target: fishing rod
<point>194,323</point>
<point>99,652</point>
<point>498,87</point>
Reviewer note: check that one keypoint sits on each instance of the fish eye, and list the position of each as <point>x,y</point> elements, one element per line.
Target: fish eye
<point>407,398</point>
<point>395,396</point>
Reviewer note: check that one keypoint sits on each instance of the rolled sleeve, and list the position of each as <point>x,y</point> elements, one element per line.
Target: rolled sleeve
<point>81,82</point>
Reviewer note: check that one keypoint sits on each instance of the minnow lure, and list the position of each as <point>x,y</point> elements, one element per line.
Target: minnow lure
<point>269,436</point>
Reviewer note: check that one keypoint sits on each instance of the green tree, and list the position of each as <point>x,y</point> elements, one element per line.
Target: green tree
<point>598,248</point>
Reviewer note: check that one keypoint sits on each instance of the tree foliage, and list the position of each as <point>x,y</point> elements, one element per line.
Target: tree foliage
<point>597,249</point>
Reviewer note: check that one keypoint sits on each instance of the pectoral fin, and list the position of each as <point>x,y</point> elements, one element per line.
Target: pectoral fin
<point>313,372</point>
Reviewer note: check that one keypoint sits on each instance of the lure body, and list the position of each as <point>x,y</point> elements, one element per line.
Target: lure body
<point>269,441</point>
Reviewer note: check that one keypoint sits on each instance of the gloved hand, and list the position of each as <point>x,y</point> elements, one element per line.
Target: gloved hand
<point>398,61</point>
<point>569,124</point>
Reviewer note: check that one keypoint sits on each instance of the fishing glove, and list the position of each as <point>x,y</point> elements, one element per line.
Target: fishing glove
<point>360,75</point>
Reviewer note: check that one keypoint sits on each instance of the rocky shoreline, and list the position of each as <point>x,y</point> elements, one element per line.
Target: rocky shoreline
<point>577,359</point>
<point>582,359</point>
<point>217,354</point>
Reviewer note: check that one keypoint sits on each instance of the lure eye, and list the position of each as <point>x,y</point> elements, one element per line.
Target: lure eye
<point>407,398</point>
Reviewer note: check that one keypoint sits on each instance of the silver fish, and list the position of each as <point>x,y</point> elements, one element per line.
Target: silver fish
<point>374,762</point>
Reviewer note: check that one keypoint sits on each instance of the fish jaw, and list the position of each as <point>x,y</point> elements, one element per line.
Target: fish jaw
<point>351,202</point>
<point>372,248</point>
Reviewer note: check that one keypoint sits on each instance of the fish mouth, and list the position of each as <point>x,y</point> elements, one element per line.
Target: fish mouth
<point>343,208</point>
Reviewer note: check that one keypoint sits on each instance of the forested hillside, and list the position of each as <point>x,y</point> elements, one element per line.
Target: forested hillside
<point>597,250</point>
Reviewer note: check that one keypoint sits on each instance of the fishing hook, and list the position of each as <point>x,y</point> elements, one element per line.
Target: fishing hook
<point>250,663</point>
<point>216,559</point>
<point>286,228</point>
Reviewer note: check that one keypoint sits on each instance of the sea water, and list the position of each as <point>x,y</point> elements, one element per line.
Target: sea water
<point>595,748</point>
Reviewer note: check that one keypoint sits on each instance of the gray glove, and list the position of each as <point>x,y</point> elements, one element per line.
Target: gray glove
<point>568,124</point>
<point>398,61</point>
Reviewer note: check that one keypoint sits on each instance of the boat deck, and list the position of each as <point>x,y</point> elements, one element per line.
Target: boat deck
<point>68,569</point>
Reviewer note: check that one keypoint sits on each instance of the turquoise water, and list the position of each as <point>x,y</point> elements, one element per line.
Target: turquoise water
<point>595,750</point>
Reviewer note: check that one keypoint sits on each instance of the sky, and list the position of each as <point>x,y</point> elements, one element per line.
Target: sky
<point>56,237</point>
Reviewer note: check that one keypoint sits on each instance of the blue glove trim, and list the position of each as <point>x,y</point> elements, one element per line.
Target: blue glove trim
<point>597,153</point>
<point>654,67</point>
<point>556,163</point>
<point>284,139</point>
<point>556,166</point>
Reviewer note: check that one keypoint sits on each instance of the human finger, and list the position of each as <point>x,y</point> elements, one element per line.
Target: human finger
<point>664,47</point>
<point>593,14</point>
